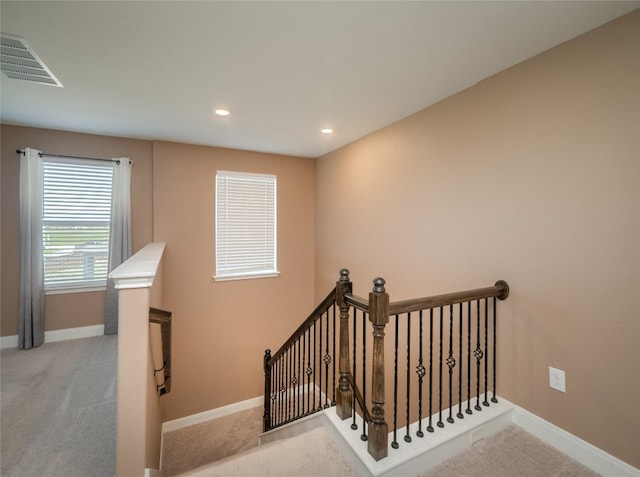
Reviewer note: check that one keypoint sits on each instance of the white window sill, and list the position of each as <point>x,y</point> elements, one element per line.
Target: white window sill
<point>64,291</point>
<point>245,276</point>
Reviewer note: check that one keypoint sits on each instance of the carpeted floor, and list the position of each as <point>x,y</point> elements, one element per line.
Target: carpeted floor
<point>200,444</point>
<point>509,453</point>
<point>58,409</point>
<point>58,418</point>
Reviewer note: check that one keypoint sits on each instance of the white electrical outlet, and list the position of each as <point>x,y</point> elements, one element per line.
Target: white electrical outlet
<point>556,379</point>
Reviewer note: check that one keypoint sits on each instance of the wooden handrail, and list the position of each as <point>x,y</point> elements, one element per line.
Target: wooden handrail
<point>321,308</point>
<point>358,302</point>
<point>500,290</point>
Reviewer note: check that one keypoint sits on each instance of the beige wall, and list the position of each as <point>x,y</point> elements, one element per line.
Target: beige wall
<point>212,321</point>
<point>221,329</point>
<point>532,176</point>
<point>74,309</point>
<point>138,414</point>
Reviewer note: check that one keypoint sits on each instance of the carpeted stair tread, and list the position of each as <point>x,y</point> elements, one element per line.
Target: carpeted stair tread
<point>313,453</point>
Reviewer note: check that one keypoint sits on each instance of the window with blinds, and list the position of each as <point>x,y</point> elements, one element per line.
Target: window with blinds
<point>75,226</point>
<point>245,226</point>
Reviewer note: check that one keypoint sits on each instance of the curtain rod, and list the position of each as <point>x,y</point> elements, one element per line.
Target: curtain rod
<point>42,154</point>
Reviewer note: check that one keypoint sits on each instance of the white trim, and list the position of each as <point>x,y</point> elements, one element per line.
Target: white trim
<point>216,413</point>
<point>422,453</point>
<point>151,473</point>
<point>65,291</point>
<point>73,333</point>
<point>211,414</point>
<point>246,276</point>
<point>140,269</point>
<point>57,335</point>
<point>8,341</point>
<point>587,454</point>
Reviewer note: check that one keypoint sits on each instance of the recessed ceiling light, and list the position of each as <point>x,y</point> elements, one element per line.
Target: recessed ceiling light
<point>326,131</point>
<point>221,112</point>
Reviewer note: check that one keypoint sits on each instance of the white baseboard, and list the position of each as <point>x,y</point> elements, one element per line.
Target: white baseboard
<point>587,454</point>
<point>8,341</point>
<point>211,414</point>
<point>73,333</point>
<point>57,335</point>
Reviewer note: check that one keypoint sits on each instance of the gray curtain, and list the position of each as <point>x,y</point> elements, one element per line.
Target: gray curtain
<point>31,311</point>
<point>120,241</point>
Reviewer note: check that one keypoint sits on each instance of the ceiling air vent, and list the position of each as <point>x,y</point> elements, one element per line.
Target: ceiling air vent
<point>20,62</point>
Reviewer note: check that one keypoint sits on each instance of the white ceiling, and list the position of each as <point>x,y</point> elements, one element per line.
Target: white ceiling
<point>156,69</point>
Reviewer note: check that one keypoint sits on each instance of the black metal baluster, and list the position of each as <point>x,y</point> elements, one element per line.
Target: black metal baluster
<point>421,372</point>
<point>279,390</point>
<point>315,354</point>
<point>292,374</point>
<point>294,379</point>
<point>327,360</point>
<point>451,363</point>
<point>440,423</point>
<point>318,353</point>
<point>459,415</point>
<point>478,354</point>
<point>486,350</point>
<point>407,436</point>
<point>495,350</point>
<point>364,374</point>
<point>288,384</point>
<point>276,392</point>
<point>300,384</point>
<point>274,380</point>
<point>308,370</point>
<point>430,427</point>
<point>283,389</point>
<point>333,400</point>
<point>468,410</point>
<point>354,371</point>
<point>395,444</point>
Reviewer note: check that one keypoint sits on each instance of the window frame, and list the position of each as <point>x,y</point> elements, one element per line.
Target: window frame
<point>223,271</point>
<point>99,284</point>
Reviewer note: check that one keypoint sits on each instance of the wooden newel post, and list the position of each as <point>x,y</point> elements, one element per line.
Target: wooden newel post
<point>344,398</point>
<point>379,317</point>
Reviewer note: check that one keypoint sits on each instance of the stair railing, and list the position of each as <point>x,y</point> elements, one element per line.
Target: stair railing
<point>453,356</point>
<point>455,371</point>
<point>297,376</point>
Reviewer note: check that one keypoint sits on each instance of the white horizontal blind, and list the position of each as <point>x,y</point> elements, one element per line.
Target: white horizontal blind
<point>245,225</point>
<point>75,226</point>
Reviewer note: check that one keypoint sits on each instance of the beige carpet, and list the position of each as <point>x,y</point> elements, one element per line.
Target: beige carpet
<point>312,454</point>
<point>211,441</point>
<point>509,453</point>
